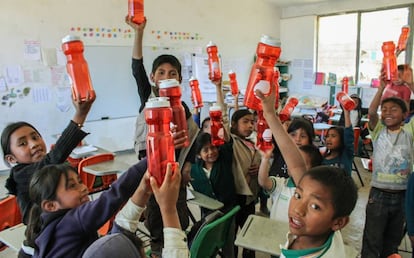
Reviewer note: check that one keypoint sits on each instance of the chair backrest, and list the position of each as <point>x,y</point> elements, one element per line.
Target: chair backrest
<point>89,180</point>
<point>213,236</point>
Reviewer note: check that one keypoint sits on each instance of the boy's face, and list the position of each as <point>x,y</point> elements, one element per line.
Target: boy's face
<point>26,146</point>
<point>163,72</point>
<point>311,213</point>
<point>392,115</point>
<point>71,193</point>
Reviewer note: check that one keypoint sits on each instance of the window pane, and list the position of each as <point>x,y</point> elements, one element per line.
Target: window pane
<point>376,28</point>
<point>337,45</point>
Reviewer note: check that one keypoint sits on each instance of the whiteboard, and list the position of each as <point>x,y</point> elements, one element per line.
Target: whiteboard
<point>115,87</point>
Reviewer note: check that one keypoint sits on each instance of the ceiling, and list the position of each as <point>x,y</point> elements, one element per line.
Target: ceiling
<point>286,3</point>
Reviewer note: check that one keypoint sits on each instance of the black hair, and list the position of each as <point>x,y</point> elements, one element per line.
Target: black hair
<point>313,152</point>
<point>170,59</point>
<point>396,101</point>
<point>342,187</point>
<point>6,134</point>
<point>43,186</point>
<point>201,141</point>
<point>204,121</point>
<point>302,123</point>
<point>236,117</point>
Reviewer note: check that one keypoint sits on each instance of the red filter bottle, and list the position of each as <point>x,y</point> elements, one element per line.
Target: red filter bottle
<point>345,84</point>
<point>77,67</point>
<point>233,83</point>
<point>389,61</point>
<point>264,134</point>
<point>262,73</point>
<point>346,101</point>
<point>195,93</point>
<point>217,130</point>
<point>287,110</point>
<point>136,11</point>
<point>402,41</point>
<point>213,62</point>
<point>160,144</point>
<point>171,88</point>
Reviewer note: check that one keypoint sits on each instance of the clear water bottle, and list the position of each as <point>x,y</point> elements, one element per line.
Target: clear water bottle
<point>217,130</point>
<point>213,62</point>
<point>171,88</point>
<point>160,144</point>
<point>262,73</point>
<point>77,67</point>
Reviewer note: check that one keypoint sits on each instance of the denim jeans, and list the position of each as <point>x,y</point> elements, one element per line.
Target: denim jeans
<point>384,223</point>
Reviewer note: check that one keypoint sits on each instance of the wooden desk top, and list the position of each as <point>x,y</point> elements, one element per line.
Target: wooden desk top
<point>204,201</point>
<point>13,237</point>
<point>262,234</point>
<point>107,168</point>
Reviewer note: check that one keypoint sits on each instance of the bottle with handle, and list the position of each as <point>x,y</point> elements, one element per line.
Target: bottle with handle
<point>217,130</point>
<point>213,62</point>
<point>287,110</point>
<point>160,144</point>
<point>77,67</point>
<point>171,88</point>
<point>262,73</point>
<point>136,11</point>
<point>233,83</point>
<point>264,134</point>
<point>195,93</point>
<point>389,61</point>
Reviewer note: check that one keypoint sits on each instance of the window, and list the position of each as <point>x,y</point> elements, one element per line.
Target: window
<point>350,44</point>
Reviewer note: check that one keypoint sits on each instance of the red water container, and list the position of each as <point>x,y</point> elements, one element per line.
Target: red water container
<point>402,41</point>
<point>346,101</point>
<point>262,73</point>
<point>233,83</point>
<point>389,61</point>
<point>171,88</point>
<point>345,84</point>
<point>213,62</point>
<point>77,67</point>
<point>160,144</point>
<point>136,11</point>
<point>195,93</point>
<point>287,110</point>
<point>217,130</point>
<point>264,134</point>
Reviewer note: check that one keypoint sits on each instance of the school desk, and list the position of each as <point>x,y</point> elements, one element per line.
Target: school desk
<point>107,167</point>
<point>13,237</point>
<point>202,200</point>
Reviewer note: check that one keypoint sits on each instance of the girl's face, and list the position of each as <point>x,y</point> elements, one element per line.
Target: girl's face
<point>26,146</point>
<point>311,212</point>
<point>244,126</point>
<point>207,127</point>
<point>163,72</point>
<point>333,140</point>
<point>300,137</point>
<point>71,193</point>
<point>209,153</point>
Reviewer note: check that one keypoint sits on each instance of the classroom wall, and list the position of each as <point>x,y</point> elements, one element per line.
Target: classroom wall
<point>298,34</point>
<point>234,25</point>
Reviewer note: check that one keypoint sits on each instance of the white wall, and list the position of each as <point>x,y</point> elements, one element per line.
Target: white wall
<point>234,25</point>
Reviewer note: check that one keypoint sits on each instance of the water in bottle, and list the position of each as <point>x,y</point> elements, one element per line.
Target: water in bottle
<point>136,11</point>
<point>389,61</point>
<point>171,88</point>
<point>195,93</point>
<point>262,73</point>
<point>264,134</point>
<point>213,62</point>
<point>233,83</point>
<point>160,144</point>
<point>217,130</point>
<point>287,110</point>
<point>77,67</point>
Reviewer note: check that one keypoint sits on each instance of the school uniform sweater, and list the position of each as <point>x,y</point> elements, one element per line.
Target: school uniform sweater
<point>20,175</point>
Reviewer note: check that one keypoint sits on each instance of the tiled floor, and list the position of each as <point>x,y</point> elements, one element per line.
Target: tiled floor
<point>352,233</point>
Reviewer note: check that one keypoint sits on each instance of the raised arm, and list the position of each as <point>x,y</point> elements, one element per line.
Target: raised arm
<point>82,108</point>
<point>347,117</point>
<point>290,152</point>
<point>220,102</point>
<point>263,175</point>
<point>375,103</point>
<point>139,35</point>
